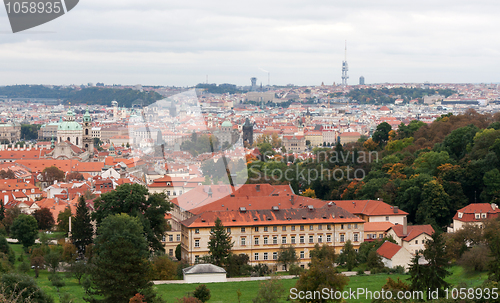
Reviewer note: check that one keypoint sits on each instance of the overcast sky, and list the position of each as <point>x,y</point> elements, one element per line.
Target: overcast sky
<point>159,42</point>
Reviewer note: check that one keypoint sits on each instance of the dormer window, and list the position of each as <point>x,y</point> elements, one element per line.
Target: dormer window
<point>483,216</point>
<point>460,215</point>
<point>478,216</point>
<point>168,183</point>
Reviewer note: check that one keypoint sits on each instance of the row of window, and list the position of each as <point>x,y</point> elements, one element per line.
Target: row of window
<point>302,239</point>
<point>171,238</point>
<point>175,193</point>
<point>292,228</point>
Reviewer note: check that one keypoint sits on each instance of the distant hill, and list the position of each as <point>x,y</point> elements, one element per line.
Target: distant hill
<point>90,95</point>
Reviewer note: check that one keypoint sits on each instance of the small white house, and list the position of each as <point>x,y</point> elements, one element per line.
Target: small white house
<point>204,273</point>
<point>394,255</point>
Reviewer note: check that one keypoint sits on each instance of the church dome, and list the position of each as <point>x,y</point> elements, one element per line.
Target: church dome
<point>226,124</point>
<point>69,125</point>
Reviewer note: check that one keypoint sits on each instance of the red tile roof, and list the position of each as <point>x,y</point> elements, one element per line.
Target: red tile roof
<point>370,208</point>
<point>413,231</point>
<point>377,226</point>
<point>388,250</point>
<point>468,212</point>
<point>268,217</point>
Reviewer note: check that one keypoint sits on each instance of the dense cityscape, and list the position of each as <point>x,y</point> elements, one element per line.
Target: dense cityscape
<point>252,181</point>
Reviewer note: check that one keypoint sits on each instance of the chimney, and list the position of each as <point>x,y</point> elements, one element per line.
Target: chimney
<point>405,227</point>
<point>395,209</point>
<point>257,187</point>
<point>292,200</point>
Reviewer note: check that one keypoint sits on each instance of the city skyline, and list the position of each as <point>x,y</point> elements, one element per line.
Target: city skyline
<point>155,43</point>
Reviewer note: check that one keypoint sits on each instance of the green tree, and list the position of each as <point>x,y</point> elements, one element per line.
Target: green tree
<point>37,260</point>
<point>407,131</point>
<point>53,259</point>
<point>220,244</point>
<point>2,211</point>
<point>431,275</point>
<point>51,174</point>
<point>491,192</point>
<point>492,236</point>
<point>25,229</point>
<point>44,218</point>
<point>29,131</point>
<point>456,143</point>
<point>63,220</point>
<point>348,256</point>
<point>178,252</point>
<point>135,200</point>
<point>82,230</point>
<point>428,163</point>
<point>322,274</point>
<point>435,207</point>
<point>381,134</point>
<point>374,260</point>
<point>202,293</point>
<point>7,250</point>
<point>287,256</point>
<point>121,267</point>
<point>77,270</point>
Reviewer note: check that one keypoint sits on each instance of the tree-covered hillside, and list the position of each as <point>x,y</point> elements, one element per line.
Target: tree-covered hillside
<point>89,95</point>
<point>430,171</point>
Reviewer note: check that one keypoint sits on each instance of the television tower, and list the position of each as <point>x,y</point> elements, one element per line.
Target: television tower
<point>345,67</point>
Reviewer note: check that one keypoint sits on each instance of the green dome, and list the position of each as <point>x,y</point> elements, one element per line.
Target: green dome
<point>86,116</point>
<point>69,125</point>
<point>226,124</point>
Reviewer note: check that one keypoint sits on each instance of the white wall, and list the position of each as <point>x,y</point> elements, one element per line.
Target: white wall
<point>205,278</point>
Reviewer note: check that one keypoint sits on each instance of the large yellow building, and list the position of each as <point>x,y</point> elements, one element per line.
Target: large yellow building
<point>261,233</point>
<point>260,219</point>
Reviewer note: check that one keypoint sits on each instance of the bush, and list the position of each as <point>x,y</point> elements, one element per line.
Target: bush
<point>202,293</point>
<point>23,286</point>
<point>360,272</point>
<point>397,270</point>
<point>7,250</point>
<point>164,268</point>
<point>180,266</point>
<point>260,270</point>
<point>296,270</point>
<point>377,270</point>
<point>270,291</point>
<point>56,281</point>
<point>476,259</point>
<point>24,267</point>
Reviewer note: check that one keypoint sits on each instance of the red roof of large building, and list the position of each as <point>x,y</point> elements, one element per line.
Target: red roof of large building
<point>201,196</point>
<point>268,216</point>
<point>388,250</point>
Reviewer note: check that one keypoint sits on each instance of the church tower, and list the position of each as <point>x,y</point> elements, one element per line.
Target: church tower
<point>248,132</point>
<point>88,141</point>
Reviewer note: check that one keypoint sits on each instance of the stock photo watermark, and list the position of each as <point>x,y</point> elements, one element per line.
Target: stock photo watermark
<point>24,15</point>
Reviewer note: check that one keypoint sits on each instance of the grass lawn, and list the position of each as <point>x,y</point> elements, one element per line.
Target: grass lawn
<point>227,292</point>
